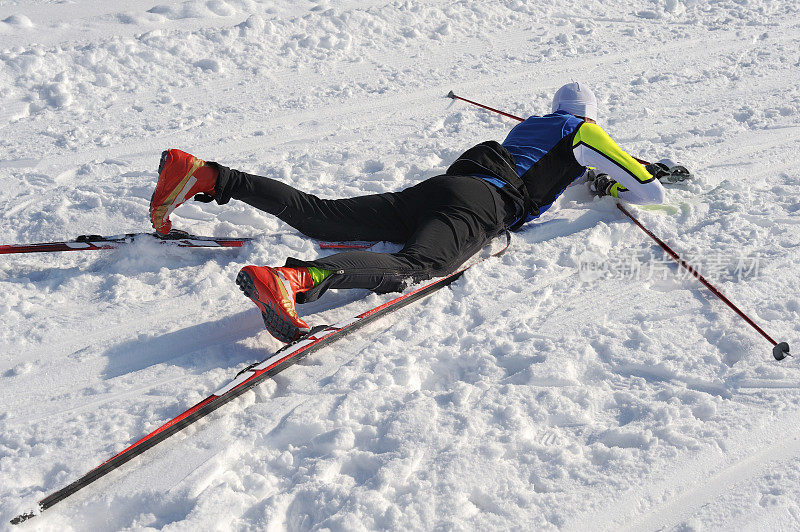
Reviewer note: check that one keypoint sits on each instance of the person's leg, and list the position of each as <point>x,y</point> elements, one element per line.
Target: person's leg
<point>438,247</point>
<point>457,216</point>
<point>461,217</point>
<point>373,217</point>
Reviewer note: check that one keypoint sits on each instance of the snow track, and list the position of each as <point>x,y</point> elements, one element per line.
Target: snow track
<point>698,488</point>
<point>525,396</point>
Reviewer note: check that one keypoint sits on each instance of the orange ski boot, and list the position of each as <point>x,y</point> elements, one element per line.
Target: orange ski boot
<point>273,291</point>
<point>180,176</point>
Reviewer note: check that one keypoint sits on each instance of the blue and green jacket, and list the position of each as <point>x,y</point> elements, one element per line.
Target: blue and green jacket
<point>542,155</point>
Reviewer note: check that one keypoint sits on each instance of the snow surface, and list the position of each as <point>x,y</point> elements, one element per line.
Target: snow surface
<point>526,396</point>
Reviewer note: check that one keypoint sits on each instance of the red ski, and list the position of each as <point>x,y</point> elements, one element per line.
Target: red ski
<point>249,377</point>
<point>97,242</point>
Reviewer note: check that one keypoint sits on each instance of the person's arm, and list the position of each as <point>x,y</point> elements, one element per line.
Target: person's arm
<point>593,147</point>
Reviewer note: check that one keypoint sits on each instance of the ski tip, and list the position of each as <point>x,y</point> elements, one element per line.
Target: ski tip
<point>781,351</point>
<point>451,95</point>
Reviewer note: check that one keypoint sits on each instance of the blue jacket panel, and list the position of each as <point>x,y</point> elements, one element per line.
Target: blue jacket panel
<point>532,138</point>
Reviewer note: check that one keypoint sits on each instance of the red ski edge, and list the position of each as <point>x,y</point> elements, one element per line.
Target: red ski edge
<point>249,378</point>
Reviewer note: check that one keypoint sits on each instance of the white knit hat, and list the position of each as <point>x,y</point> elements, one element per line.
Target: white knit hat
<point>576,99</point>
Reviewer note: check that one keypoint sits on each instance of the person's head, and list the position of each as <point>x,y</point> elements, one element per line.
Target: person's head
<point>576,99</point>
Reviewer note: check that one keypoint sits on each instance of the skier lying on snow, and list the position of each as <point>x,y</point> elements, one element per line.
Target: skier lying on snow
<point>441,221</point>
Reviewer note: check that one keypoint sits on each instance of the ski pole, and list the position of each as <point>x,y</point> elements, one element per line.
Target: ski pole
<point>779,350</point>
<point>452,95</point>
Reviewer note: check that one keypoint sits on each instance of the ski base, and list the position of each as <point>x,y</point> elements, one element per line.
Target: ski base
<point>98,242</point>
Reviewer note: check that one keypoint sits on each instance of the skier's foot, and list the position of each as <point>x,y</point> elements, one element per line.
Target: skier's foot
<point>273,291</point>
<point>180,176</point>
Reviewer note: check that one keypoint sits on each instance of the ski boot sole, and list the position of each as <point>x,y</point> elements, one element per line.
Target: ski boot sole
<point>276,324</point>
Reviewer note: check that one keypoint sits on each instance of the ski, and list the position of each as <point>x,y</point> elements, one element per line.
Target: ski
<point>250,377</point>
<point>97,242</point>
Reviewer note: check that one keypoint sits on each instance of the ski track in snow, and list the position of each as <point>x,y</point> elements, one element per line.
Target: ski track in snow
<point>524,396</point>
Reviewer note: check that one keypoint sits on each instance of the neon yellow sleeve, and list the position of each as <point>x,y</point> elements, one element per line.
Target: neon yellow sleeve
<point>593,147</point>
<point>593,137</point>
<point>616,188</point>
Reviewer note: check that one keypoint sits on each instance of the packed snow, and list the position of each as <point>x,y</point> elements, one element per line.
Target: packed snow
<point>580,381</point>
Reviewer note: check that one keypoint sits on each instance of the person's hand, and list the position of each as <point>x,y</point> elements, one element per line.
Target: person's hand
<point>599,184</point>
<point>668,171</point>
<point>657,170</point>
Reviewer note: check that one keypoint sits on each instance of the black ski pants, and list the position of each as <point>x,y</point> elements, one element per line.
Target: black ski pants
<point>441,222</point>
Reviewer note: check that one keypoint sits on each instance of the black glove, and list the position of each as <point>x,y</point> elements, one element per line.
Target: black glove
<point>657,170</point>
<point>599,184</point>
<point>668,173</point>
